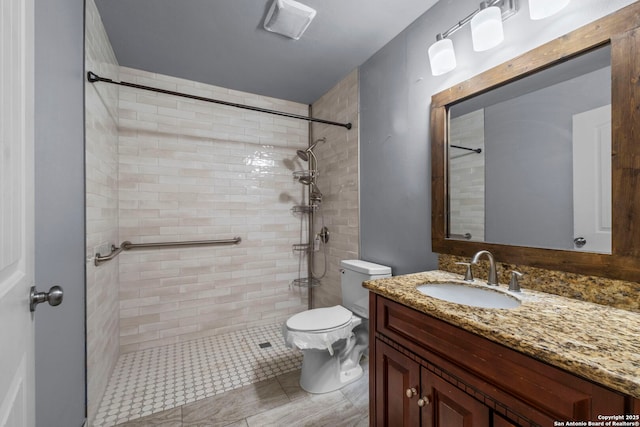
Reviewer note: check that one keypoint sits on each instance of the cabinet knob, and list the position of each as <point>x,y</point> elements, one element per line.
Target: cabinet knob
<point>424,401</point>
<point>411,392</point>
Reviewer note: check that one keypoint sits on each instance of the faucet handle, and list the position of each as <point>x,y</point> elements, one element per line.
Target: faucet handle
<point>468,275</point>
<point>514,285</point>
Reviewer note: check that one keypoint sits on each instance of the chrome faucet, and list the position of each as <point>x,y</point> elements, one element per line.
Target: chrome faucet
<point>493,276</point>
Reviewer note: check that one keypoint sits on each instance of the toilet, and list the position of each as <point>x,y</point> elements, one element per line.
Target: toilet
<point>333,339</point>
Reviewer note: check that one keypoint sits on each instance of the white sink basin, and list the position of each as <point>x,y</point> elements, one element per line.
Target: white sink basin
<point>469,295</point>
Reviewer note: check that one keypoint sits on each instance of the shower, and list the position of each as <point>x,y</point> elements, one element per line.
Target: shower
<point>314,239</point>
<point>315,195</point>
<point>304,154</point>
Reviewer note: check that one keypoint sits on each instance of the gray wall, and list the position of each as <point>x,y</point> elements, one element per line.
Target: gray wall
<point>59,217</point>
<point>394,170</point>
<point>396,86</point>
<point>529,157</point>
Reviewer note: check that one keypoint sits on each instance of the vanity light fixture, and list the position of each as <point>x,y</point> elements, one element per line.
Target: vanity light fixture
<point>442,56</point>
<point>486,29</point>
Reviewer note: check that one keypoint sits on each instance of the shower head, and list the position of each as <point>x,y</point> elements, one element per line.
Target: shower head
<point>304,154</point>
<point>315,194</point>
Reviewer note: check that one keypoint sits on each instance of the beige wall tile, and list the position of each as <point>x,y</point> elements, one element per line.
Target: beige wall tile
<point>193,171</point>
<point>338,181</point>
<point>101,124</point>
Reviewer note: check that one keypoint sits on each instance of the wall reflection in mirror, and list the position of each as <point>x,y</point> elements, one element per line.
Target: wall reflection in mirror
<point>529,163</point>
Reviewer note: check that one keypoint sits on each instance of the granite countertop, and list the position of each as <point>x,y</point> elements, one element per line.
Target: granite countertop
<point>593,341</point>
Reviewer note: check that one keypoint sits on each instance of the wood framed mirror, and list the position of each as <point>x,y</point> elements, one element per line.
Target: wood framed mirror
<point>618,32</point>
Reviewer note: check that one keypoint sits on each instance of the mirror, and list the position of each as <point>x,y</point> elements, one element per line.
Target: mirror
<point>508,209</point>
<point>530,162</point>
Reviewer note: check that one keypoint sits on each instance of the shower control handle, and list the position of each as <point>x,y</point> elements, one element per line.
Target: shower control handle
<point>324,235</point>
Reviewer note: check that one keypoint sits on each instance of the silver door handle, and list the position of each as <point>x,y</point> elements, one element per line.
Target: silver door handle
<point>579,242</point>
<point>53,297</point>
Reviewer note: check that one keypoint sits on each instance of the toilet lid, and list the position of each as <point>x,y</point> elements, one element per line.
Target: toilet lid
<point>319,319</point>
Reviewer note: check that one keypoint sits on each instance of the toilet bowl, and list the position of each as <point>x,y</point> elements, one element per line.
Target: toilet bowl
<point>333,339</point>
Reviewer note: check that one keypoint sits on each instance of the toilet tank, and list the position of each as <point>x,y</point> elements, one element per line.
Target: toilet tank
<point>353,273</point>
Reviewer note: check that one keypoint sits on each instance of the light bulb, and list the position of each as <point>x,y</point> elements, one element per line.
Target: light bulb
<point>442,57</point>
<point>540,9</point>
<point>486,28</point>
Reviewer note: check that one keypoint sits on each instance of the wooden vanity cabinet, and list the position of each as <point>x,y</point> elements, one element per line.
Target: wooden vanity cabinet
<point>398,385</point>
<point>408,395</point>
<point>426,372</point>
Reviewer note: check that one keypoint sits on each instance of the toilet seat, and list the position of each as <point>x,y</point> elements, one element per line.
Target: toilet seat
<point>320,328</point>
<point>320,319</point>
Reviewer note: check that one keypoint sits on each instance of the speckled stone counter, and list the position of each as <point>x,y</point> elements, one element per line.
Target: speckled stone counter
<point>596,342</point>
<point>616,293</point>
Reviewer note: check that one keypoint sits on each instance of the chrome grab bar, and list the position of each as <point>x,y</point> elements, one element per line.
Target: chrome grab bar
<point>466,236</point>
<point>99,259</point>
<point>127,245</point>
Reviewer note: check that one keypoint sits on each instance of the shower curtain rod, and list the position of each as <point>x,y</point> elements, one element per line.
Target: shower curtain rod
<point>475,150</point>
<point>93,77</point>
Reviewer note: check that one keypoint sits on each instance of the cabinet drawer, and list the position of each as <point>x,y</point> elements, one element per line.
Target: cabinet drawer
<point>535,389</point>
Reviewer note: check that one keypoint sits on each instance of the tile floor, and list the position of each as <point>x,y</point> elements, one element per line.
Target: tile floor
<point>277,402</point>
<point>160,379</point>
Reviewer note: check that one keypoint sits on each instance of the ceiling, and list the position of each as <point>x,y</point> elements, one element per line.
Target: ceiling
<point>223,43</point>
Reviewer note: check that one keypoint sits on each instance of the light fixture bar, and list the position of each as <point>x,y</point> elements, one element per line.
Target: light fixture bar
<point>487,29</point>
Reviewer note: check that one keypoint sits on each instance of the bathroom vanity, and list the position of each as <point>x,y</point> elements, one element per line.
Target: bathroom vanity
<point>548,361</point>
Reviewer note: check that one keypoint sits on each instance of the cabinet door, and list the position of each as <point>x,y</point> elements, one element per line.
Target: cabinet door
<point>448,406</point>
<point>397,388</point>
<point>499,421</point>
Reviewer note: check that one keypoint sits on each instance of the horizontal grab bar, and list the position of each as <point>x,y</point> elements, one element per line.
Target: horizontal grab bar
<point>126,246</point>
<point>466,236</point>
<point>99,259</point>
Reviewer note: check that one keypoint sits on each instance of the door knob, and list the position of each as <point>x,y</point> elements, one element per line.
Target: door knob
<point>410,392</point>
<point>53,297</point>
<point>579,242</point>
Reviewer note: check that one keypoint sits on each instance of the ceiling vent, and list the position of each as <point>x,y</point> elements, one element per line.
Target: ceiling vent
<point>289,18</point>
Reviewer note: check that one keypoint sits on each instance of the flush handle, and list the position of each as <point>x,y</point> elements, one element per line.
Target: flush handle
<point>53,297</point>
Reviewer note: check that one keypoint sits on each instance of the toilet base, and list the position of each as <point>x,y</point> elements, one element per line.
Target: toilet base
<point>322,373</point>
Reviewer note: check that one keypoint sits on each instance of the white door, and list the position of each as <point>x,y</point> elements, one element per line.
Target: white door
<point>592,180</point>
<point>17,406</point>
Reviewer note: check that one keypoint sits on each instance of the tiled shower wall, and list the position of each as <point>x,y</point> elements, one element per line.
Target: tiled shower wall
<point>466,176</point>
<point>161,169</point>
<point>101,119</point>
<point>190,170</point>
<point>338,181</point>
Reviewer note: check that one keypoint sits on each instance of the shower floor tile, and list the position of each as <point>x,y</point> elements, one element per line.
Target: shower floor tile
<point>154,380</point>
